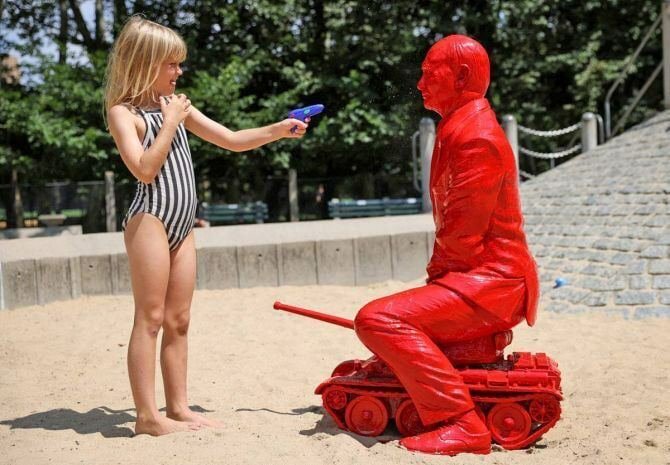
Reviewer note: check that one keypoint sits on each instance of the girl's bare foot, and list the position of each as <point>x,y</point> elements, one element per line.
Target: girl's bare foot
<point>189,415</point>
<point>161,425</point>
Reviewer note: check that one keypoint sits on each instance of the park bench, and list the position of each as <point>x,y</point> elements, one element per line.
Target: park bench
<point>373,207</point>
<point>235,213</point>
<point>68,216</point>
<point>27,215</point>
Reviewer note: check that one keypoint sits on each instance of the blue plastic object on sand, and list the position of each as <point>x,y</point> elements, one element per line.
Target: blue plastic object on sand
<point>560,282</point>
<point>303,113</point>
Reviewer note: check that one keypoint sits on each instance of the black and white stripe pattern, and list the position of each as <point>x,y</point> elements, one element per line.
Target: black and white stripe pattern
<point>171,196</point>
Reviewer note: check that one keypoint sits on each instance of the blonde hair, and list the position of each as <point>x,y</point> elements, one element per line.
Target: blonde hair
<point>135,60</point>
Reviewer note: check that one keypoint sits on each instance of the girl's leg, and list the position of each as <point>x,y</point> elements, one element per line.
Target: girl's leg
<point>174,346</point>
<point>149,259</point>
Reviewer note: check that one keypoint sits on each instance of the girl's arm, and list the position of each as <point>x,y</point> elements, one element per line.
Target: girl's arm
<point>245,139</point>
<point>145,164</point>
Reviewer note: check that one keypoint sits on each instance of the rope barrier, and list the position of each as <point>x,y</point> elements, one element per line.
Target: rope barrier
<point>554,133</point>
<point>553,155</point>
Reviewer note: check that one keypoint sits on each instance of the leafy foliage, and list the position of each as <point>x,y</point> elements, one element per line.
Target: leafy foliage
<point>250,62</point>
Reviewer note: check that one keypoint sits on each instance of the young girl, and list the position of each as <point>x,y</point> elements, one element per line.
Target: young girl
<point>148,123</point>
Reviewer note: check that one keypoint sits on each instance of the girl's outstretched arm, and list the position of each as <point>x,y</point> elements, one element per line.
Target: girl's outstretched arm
<point>145,164</point>
<point>244,139</point>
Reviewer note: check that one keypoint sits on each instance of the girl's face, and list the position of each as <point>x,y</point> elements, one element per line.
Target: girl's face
<point>166,83</point>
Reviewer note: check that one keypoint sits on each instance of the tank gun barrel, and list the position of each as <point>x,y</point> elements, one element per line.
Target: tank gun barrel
<point>335,320</point>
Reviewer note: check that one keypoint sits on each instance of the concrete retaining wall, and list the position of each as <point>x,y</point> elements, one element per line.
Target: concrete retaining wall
<point>340,252</point>
<point>24,233</point>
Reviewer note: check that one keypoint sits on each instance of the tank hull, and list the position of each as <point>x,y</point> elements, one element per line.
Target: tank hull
<point>518,398</point>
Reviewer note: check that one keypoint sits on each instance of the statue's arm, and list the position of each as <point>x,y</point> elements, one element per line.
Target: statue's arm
<point>476,178</point>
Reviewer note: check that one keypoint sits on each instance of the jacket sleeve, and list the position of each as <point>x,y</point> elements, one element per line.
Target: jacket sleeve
<point>476,175</point>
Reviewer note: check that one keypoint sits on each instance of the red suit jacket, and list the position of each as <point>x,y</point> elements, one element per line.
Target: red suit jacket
<point>480,249</point>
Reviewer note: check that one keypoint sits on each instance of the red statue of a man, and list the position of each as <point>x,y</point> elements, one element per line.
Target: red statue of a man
<point>481,277</point>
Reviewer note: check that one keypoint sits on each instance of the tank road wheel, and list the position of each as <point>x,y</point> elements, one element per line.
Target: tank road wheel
<point>367,416</point>
<point>509,423</point>
<point>334,398</point>
<point>407,419</point>
<point>544,409</point>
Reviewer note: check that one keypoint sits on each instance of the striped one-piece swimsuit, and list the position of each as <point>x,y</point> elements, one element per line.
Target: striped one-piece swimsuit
<point>171,196</point>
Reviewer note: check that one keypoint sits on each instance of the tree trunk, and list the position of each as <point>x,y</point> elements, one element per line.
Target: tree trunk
<point>320,28</point>
<point>99,24</point>
<point>120,15</point>
<point>233,194</point>
<point>368,186</point>
<point>63,33</point>
<point>204,29</point>
<point>15,219</point>
<point>88,42</point>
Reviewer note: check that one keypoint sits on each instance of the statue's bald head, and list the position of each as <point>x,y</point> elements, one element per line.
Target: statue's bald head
<point>456,51</point>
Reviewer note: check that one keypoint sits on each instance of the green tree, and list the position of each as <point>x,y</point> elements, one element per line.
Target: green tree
<point>251,61</point>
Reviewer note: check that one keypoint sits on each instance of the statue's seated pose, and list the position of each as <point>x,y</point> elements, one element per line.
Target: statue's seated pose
<point>482,278</point>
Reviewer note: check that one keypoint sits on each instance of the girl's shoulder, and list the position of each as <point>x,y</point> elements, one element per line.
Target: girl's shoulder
<point>125,111</point>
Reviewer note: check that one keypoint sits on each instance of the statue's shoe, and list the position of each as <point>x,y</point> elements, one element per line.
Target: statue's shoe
<point>464,435</point>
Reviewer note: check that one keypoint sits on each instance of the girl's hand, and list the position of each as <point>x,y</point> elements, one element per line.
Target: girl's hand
<point>283,128</point>
<point>175,108</point>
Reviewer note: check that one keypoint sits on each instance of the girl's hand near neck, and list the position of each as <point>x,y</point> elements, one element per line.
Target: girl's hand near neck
<point>175,108</point>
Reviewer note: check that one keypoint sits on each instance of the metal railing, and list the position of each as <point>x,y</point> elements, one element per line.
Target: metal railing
<point>422,153</point>
<point>664,18</point>
<point>589,126</point>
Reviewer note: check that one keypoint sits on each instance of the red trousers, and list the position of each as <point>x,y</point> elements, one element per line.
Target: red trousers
<point>406,330</point>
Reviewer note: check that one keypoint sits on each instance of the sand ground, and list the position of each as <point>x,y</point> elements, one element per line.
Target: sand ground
<point>65,398</point>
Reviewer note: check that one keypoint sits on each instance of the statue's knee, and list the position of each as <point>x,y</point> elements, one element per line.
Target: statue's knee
<point>369,317</point>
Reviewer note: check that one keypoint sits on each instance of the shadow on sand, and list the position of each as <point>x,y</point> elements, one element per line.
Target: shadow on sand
<point>295,411</point>
<point>327,426</point>
<point>103,420</point>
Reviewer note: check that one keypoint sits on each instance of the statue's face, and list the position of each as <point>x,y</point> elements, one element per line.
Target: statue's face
<point>437,86</point>
<point>454,72</point>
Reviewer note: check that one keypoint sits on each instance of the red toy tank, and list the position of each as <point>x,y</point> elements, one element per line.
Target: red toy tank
<point>518,396</point>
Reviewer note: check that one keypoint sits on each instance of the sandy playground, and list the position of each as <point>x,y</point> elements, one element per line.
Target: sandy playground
<point>65,398</point>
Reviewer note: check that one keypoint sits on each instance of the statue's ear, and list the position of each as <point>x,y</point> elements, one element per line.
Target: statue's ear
<point>462,77</point>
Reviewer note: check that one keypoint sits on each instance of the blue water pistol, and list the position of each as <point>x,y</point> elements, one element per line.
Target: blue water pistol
<point>303,113</point>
